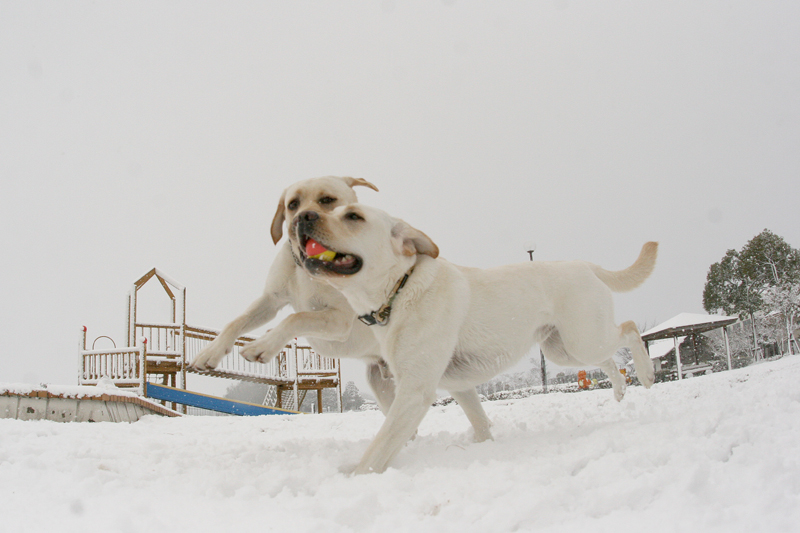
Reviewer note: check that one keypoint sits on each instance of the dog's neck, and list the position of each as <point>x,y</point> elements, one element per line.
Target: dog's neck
<point>381,315</point>
<point>365,298</point>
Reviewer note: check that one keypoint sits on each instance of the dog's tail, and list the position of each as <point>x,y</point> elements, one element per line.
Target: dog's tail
<point>634,275</point>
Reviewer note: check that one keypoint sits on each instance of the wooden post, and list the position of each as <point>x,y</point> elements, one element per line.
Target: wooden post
<point>183,338</point>
<point>678,358</point>
<point>727,346</point>
<point>143,368</point>
<point>293,358</point>
<point>128,339</point>
<point>80,359</point>
<point>132,317</point>
<point>339,384</point>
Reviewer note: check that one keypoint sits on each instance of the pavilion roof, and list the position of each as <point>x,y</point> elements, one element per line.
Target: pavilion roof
<point>687,324</point>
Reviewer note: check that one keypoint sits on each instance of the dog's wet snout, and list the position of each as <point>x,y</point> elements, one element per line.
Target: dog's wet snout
<point>308,216</point>
<point>305,216</point>
<point>305,221</point>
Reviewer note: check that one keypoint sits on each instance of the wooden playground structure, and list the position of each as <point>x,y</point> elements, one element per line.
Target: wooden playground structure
<point>161,353</point>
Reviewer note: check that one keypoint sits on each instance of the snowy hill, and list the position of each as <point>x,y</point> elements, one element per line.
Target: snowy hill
<point>715,453</point>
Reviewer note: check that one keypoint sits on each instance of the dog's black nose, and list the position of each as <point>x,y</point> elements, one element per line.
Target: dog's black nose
<point>308,216</point>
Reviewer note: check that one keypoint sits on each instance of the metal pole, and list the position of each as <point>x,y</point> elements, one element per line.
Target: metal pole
<point>544,372</point>
<point>541,353</point>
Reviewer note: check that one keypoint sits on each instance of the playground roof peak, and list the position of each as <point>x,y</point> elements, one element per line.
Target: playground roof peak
<point>164,279</point>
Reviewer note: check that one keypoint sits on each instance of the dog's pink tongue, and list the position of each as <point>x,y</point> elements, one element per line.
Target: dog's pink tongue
<point>314,248</point>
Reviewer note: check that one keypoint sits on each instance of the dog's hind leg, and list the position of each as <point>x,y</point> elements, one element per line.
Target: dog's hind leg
<point>554,349</point>
<point>470,402</point>
<point>382,384</point>
<point>617,381</point>
<point>631,338</point>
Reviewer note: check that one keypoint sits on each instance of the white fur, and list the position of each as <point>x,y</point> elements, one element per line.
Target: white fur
<point>455,327</point>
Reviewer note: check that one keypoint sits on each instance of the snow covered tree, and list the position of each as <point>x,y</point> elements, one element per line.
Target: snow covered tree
<point>739,341</point>
<point>738,284</point>
<point>785,299</point>
<point>768,260</point>
<point>351,397</point>
<point>735,285</point>
<point>728,290</point>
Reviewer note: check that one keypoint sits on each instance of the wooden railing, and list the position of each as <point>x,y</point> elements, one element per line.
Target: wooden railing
<point>169,340</point>
<point>311,363</point>
<point>233,365</point>
<point>124,366</point>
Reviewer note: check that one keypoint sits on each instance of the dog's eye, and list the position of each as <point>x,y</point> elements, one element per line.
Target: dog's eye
<point>293,205</point>
<point>353,216</point>
<point>325,200</point>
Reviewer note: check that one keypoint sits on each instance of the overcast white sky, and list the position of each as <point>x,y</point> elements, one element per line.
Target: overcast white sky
<point>142,134</point>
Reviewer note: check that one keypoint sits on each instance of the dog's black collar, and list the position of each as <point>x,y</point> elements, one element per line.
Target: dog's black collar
<point>381,316</point>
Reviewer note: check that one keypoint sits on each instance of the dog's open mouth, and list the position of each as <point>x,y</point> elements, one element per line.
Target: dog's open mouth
<point>317,257</point>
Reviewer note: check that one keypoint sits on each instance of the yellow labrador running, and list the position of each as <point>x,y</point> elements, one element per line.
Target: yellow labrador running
<point>442,325</point>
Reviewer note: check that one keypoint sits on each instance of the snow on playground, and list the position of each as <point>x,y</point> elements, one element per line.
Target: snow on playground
<point>713,453</point>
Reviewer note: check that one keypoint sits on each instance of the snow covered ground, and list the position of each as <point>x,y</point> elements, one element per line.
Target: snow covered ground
<point>714,453</point>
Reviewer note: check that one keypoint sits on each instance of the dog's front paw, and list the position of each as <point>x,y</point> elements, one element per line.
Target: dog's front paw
<point>262,350</point>
<point>483,435</point>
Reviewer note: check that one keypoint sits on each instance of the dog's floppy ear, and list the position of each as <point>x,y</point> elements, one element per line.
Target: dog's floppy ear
<point>353,182</point>
<point>277,221</point>
<point>411,241</point>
